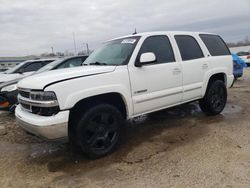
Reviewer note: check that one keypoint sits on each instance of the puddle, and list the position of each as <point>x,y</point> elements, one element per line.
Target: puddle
<point>185,110</point>
<point>46,150</point>
<point>156,134</point>
<point>231,109</point>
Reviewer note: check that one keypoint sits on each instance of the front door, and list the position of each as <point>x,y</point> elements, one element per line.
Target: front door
<point>157,85</point>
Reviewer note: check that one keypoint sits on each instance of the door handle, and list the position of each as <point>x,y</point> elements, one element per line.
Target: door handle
<point>176,71</point>
<point>204,66</point>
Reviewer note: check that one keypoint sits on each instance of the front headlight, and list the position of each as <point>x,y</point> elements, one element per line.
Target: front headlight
<point>9,88</point>
<point>43,96</point>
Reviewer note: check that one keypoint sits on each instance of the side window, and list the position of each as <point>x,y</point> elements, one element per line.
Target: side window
<point>215,45</point>
<point>71,63</point>
<point>160,46</point>
<point>32,67</point>
<point>189,47</point>
<point>45,63</point>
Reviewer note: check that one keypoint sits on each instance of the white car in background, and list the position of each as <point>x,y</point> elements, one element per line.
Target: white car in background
<point>245,56</point>
<point>24,69</point>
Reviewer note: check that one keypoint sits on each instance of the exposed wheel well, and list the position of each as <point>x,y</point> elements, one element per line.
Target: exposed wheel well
<point>114,99</point>
<point>218,76</point>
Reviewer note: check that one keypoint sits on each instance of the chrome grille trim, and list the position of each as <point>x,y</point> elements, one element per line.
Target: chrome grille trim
<point>24,99</point>
<point>37,103</point>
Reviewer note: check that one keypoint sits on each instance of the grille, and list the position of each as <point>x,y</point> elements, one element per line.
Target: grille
<point>25,94</point>
<point>25,106</point>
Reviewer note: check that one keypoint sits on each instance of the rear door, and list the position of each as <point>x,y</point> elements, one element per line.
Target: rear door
<point>194,66</point>
<point>159,84</point>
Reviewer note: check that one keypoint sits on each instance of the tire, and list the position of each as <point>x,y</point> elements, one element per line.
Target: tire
<point>98,130</point>
<point>215,98</point>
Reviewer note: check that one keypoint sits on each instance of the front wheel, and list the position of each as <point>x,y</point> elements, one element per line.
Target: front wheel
<point>215,98</point>
<point>98,130</point>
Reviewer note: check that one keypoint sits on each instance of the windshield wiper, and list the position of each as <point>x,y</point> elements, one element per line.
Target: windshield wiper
<point>98,63</point>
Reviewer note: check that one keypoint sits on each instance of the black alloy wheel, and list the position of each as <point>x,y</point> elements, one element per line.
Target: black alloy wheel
<point>99,130</point>
<point>215,98</point>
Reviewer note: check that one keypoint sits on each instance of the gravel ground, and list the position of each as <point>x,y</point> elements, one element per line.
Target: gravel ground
<point>179,147</point>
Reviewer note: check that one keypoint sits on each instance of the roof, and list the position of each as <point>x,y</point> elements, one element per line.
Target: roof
<point>45,59</point>
<point>164,33</point>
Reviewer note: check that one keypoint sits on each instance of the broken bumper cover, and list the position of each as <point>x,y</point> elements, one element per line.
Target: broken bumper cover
<point>51,128</point>
<point>7,99</point>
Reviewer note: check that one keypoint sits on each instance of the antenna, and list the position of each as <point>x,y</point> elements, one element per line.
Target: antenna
<point>135,32</point>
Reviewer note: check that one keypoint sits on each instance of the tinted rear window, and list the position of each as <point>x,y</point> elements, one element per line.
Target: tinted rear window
<point>189,47</point>
<point>215,45</point>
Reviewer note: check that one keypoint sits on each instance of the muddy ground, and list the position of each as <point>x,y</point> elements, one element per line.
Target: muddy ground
<point>180,147</point>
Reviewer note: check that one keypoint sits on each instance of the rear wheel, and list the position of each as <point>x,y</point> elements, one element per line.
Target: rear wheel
<point>215,98</point>
<point>98,130</point>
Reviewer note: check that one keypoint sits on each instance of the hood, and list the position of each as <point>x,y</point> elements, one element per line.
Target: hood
<point>9,83</point>
<point>9,77</point>
<point>40,81</point>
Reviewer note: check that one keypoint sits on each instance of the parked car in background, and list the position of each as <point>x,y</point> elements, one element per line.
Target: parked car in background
<point>66,62</point>
<point>239,65</point>
<point>24,69</point>
<point>245,56</point>
<point>126,77</point>
<point>8,90</point>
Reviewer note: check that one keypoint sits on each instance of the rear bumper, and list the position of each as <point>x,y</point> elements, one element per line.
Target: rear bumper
<point>51,128</point>
<point>230,80</point>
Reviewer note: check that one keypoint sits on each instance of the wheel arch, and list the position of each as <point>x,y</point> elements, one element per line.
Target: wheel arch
<point>215,76</point>
<point>112,98</point>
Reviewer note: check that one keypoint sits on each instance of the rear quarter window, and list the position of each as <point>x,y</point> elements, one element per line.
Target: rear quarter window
<point>215,45</point>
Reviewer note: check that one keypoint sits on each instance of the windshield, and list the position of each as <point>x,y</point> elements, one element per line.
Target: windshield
<point>50,66</point>
<point>14,69</point>
<point>116,52</point>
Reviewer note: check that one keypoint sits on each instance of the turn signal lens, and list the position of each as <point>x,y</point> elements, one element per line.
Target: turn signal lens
<point>5,104</point>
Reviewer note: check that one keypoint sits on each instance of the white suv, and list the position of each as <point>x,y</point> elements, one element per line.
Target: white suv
<point>126,77</point>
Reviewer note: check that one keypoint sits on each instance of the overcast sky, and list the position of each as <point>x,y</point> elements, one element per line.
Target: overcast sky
<point>33,26</point>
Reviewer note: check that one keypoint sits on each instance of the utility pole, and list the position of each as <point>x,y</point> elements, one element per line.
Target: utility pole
<point>74,42</point>
<point>52,49</point>
<point>87,48</point>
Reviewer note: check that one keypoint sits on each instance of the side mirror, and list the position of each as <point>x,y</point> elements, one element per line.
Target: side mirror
<point>146,58</point>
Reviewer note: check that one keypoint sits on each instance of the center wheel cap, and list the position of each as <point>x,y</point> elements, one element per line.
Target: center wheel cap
<point>102,130</point>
